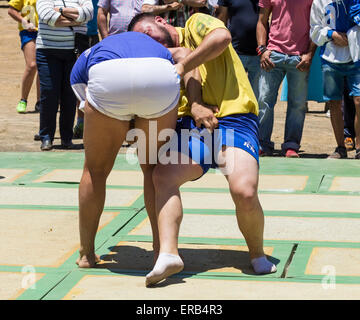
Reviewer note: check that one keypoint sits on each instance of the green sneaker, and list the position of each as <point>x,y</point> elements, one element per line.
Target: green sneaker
<point>78,130</point>
<point>21,107</point>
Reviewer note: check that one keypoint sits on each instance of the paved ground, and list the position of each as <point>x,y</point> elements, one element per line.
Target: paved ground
<point>312,212</point>
<point>312,216</point>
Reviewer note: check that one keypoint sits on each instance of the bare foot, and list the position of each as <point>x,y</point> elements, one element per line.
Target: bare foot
<point>166,265</point>
<point>88,261</point>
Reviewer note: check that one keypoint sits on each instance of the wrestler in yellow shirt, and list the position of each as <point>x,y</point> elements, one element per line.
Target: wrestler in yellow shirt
<point>224,81</point>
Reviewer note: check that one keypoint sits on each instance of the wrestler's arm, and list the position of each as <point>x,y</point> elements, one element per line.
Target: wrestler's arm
<point>202,113</point>
<point>211,47</point>
<point>192,79</point>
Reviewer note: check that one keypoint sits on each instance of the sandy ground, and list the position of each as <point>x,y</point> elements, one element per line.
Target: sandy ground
<point>17,130</point>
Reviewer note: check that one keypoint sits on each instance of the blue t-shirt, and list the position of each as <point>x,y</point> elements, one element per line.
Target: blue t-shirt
<point>243,18</point>
<point>92,28</point>
<point>117,46</point>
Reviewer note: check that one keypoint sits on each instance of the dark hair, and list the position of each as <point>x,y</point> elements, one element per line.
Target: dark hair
<point>139,17</point>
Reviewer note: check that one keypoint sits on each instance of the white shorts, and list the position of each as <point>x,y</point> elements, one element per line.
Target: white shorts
<point>124,88</point>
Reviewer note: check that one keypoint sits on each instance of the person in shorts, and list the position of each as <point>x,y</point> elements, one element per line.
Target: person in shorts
<point>217,127</point>
<point>331,24</point>
<point>125,76</point>
<point>24,12</point>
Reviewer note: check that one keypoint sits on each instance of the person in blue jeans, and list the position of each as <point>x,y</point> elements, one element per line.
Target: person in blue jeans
<point>93,38</point>
<point>55,57</point>
<point>349,112</point>
<point>332,26</point>
<point>285,50</point>
<point>241,17</point>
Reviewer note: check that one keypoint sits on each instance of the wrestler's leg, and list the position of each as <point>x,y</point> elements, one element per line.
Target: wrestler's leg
<point>103,137</point>
<point>167,181</point>
<point>151,128</point>
<point>242,173</point>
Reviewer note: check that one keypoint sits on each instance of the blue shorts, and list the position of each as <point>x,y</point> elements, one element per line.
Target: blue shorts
<point>334,76</point>
<point>26,36</point>
<point>236,130</point>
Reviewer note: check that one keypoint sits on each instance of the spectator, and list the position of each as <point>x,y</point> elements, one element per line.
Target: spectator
<point>24,12</point>
<point>121,12</point>
<point>93,38</point>
<point>349,112</point>
<point>242,16</point>
<point>330,23</point>
<point>92,27</point>
<point>55,57</point>
<point>174,12</point>
<point>288,51</point>
<point>315,82</point>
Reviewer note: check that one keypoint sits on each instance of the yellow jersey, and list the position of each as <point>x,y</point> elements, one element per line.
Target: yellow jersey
<point>27,9</point>
<point>224,81</point>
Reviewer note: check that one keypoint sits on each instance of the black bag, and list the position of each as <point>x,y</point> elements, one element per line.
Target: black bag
<point>82,42</point>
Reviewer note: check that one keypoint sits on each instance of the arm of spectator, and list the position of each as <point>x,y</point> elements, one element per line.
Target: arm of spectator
<point>15,14</point>
<point>82,14</point>
<point>222,14</point>
<point>261,36</point>
<point>158,9</point>
<point>102,22</point>
<point>340,38</point>
<point>320,32</point>
<point>191,3</point>
<point>306,58</point>
<point>211,47</point>
<point>51,16</point>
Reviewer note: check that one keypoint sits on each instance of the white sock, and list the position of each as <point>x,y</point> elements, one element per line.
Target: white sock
<point>262,265</point>
<point>166,265</point>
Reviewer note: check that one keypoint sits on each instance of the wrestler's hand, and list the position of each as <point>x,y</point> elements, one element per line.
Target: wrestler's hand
<point>265,61</point>
<point>180,69</point>
<point>203,114</point>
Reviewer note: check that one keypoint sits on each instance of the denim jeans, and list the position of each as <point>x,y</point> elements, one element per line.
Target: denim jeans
<point>269,84</point>
<point>54,67</point>
<point>252,67</point>
<point>349,113</point>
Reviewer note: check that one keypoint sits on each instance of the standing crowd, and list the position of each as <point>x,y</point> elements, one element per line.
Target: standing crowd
<point>276,42</point>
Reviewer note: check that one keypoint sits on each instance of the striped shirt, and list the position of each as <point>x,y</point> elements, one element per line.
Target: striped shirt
<point>121,13</point>
<point>51,37</point>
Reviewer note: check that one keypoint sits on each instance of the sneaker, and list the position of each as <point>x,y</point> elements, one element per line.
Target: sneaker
<point>78,130</point>
<point>349,144</point>
<point>67,145</point>
<point>21,107</point>
<point>291,153</point>
<point>339,153</point>
<point>357,154</point>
